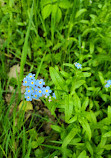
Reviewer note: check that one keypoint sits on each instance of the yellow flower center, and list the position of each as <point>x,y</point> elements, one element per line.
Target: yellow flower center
<point>35,95</point>
<point>25,81</point>
<point>32,82</point>
<point>39,91</point>
<point>40,82</point>
<point>28,97</point>
<point>28,90</point>
<point>30,76</point>
<point>46,90</point>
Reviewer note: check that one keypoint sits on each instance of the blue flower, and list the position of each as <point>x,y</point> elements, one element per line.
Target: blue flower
<point>25,82</point>
<point>32,83</point>
<point>109,82</point>
<point>29,91</point>
<point>28,98</point>
<point>40,82</point>
<point>40,92</point>
<point>54,95</point>
<point>46,91</point>
<point>30,76</point>
<point>35,95</point>
<point>107,85</point>
<point>78,65</point>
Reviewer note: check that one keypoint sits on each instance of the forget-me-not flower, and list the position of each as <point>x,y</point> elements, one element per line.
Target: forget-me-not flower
<point>25,82</point>
<point>28,98</point>
<point>108,83</point>
<point>40,82</point>
<point>46,91</point>
<point>78,65</point>
<point>54,96</point>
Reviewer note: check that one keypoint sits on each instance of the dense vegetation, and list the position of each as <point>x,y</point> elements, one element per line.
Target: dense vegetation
<point>47,38</point>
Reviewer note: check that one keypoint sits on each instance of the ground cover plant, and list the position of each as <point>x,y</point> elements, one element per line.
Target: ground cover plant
<point>55,79</point>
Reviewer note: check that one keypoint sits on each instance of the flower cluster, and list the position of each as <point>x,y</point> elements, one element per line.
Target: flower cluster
<point>108,83</point>
<point>35,88</point>
<point>79,66</point>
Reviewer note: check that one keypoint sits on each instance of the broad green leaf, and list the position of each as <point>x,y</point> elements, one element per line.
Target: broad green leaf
<point>46,11</point>
<point>77,102</point>
<point>25,106</point>
<point>65,74</point>
<point>108,134</point>
<point>104,97</point>
<point>91,104</point>
<point>85,126</point>
<point>57,46</point>
<point>57,79</point>
<point>75,141</point>
<point>68,107</point>
<point>64,4</point>
<point>76,84</point>
<point>56,128</point>
<point>88,31</point>
<point>101,77</point>
<point>82,154</point>
<point>91,117</point>
<point>46,2</point>
<point>89,147</point>
<point>86,68</point>
<point>69,137</point>
<point>69,65</point>
<point>101,145</point>
<point>56,13</point>
<point>107,147</point>
<point>36,143</point>
<point>91,47</point>
<point>85,74</point>
<point>81,11</point>
<point>85,103</point>
<point>72,119</point>
<point>109,113</point>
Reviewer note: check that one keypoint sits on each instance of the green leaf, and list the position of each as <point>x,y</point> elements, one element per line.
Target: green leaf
<point>85,74</point>
<point>36,143</point>
<point>70,65</point>
<point>46,2</point>
<point>46,11</point>
<point>77,102</point>
<point>68,107</point>
<point>91,47</point>
<point>109,113</point>
<point>69,137</point>
<point>56,13</point>
<point>56,128</point>
<point>57,79</point>
<point>85,103</point>
<point>108,134</point>
<point>72,119</point>
<point>107,147</point>
<point>65,74</point>
<point>81,11</point>
<point>85,126</point>
<point>76,84</point>
<point>57,46</point>
<point>82,154</point>
<point>65,4</point>
<point>89,147</point>
<point>101,77</point>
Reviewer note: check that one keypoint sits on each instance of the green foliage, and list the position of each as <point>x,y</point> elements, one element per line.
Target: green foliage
<point>47,37</point>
